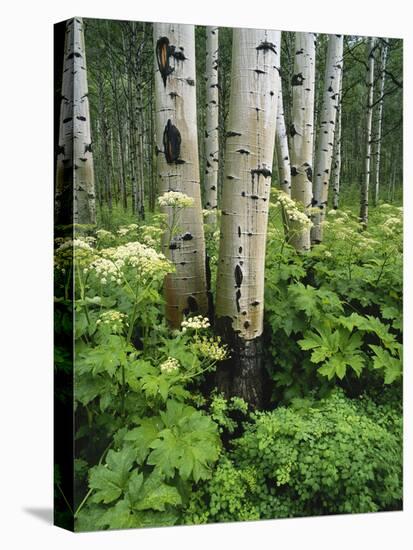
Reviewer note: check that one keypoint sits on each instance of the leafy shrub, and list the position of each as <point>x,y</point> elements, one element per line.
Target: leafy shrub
<point>331,456</point>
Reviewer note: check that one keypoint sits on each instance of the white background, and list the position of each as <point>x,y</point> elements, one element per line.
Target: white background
<point>26,267</point>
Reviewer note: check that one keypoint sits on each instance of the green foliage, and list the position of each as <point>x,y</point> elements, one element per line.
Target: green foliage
<point>330,456</point>
<point>340,304</point>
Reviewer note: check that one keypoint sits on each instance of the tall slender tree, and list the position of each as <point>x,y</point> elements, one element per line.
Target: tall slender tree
<point>178,167</point>
<point>364,196</point>
<point>75,184</point>
<point>245,198</point>
<point>301,133</point>
<point>211,123</point>
<point>281,146</point>
<point>336,170</point>
<point>377,140</point>
<point>326,129</point>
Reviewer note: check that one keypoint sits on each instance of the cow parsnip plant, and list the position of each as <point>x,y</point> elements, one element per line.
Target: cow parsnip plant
<point>340,304</point>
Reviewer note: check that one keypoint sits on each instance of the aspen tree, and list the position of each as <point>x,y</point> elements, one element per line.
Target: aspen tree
<point>379,123</point>
<point>301,133</point>
<point>212,123</point>
<point>245,197</point>
<point>336,171</point>
<point>326,131</point>
<point>364,196</point>
<point>75,185</point>
<point>281,146</point>
<point>178,168</point>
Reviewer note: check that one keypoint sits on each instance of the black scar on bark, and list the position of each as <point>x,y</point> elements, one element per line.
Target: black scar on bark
<point>163,53</point>
<point>187,237</point>
<point>239,231</point>
<point>60,149</point>
<point>237,299</point>
<point>309,173</point>
<point>192,306</point>
<point>68,119</point>
<point>259,71</point>
<point>74,54</point>
<point>190,81</point>
<point>294,171</point>
<point>171,143</point>
<point>293,131</point>
<point>243,151</point>
<point>82,118</point>
<point>238,276</point>
<point>297,79</point>
<point>265,46</point>
<point>240,250</point>
<point>314,202</point>
<point>88,148</point>
<point>265,172</point>
<point>232,134</point>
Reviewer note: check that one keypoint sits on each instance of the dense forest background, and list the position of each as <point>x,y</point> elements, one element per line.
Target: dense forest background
<point>122,97</point>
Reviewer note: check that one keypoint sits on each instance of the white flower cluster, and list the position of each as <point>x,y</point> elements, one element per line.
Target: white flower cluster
<point>150,235</point>
<point>211,348</point>
<point>392,225</point>
<point>170,365</point>
<point>115,320</point>
<point>301,221</point>
<point>175,199</point>
<point>73,250</point>
<point>198,322</point>
<point>125,230</point>
<point>144,259</point>
<point>106,270</point>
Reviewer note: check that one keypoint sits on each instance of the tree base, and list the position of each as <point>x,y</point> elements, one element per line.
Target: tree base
<point>243,374</point>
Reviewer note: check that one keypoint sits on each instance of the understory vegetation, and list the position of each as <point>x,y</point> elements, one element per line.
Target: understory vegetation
<point>153,447</point>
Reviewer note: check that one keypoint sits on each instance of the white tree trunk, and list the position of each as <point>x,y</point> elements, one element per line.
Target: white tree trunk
<point>281,147</point>
<point>336,172</point>
<point>211,124</point>
<point>325,143</point>
<point>379,124</point>
<point>245,198</point>
<point>302,133</point>
<point>364,197</point>
<point>178,167</point>
<point>75,185</point>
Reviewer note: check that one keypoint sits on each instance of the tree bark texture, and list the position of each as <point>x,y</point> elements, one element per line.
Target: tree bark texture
<point>245,197</point>
<point>336,170</point>
<point>281,147</point>
<point>75,185</point>
<point>379,124</point>
<point>302,133</point>
<point>178,167</point>
<point>211,123</point>
<point>364,196</point>
<point>326,130</point>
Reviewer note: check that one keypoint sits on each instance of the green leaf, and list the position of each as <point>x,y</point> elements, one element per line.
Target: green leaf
<point>109,480</point>
<point>143,436</point>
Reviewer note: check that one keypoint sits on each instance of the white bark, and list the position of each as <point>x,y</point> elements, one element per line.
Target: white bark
<point>281,147</point>
<point>211,124</point>
<point>178,166</point>
<point>336,172</point>
<point>74,173</point>
<point>364,197</point>
<point>247,182</point>
<point>325,144</point>
<point>379,123</point>
<point>302,133</point>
